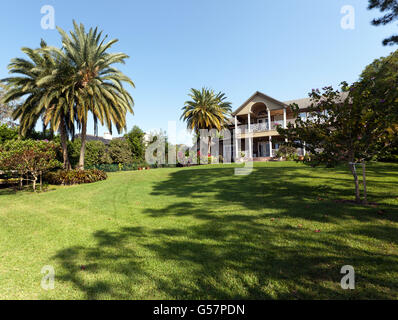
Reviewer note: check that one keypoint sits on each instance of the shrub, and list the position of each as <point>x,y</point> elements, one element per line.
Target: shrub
<point>7,133</point>
<point>28,158</point>
<point>287,152</point>
<point>73,177</point>
<point>135,139</point>
<point>120,152</point>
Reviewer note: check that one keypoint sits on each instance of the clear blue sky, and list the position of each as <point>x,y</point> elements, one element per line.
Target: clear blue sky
<point>283,48</point>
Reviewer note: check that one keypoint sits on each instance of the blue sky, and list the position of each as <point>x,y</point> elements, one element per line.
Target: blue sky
<point>283,48</point>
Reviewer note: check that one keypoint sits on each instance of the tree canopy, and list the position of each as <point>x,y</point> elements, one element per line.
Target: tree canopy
<point>135,139</point>
<point>206,110</point>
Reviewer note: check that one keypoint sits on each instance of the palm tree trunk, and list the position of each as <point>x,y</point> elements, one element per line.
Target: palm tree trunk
<point>83,147</point>
<point>64,145</point>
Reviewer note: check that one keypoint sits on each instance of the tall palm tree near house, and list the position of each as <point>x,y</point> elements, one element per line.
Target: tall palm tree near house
<point>97,86</point>
<point>40,101</point>
<point>206,110</point>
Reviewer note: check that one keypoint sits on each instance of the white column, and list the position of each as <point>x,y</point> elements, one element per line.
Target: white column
<point>250,139</point>
<point>304,150</point>
<point>269,119</point>
<point>284,118</point>
<point>284,121</point>
<point>270,147</point>
<point>236,138</point>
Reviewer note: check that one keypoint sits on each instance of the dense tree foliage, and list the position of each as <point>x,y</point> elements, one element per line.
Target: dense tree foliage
<point>353,125</point>
<point>135,139</point>
<point>343,126</point>
<point>7,133</point>
<point>119,151</point>
<point>382,77</point>
<point>28,158</point>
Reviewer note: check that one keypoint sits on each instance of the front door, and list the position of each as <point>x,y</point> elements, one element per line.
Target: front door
<point>263,149</point>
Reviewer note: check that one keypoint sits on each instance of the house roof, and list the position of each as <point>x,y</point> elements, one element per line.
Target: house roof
<point>264,96</point>
<point>303,103</point>
<point>306,102</point>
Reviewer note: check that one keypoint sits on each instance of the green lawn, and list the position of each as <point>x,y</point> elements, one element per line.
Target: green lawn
<point>204,233</point>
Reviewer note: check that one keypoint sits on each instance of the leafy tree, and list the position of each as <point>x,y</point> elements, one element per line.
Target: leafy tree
<point>345,126</point>
<point>7,133</point>
<point>135,138</point>
<point>390,10</point>
<point>28,157</point>
<point>287,152</point>
<point>119,151</point>
<point>96,86</point>
<point>382,73</point>
<point>206,110</point>
<point>96,153</point>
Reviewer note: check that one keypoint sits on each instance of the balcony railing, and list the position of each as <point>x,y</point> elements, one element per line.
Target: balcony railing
<point>261,127</point>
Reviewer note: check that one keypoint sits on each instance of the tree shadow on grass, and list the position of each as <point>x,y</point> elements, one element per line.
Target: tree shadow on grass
<point>283,189</point>
<point>238,254</point>
<point>237,259</point>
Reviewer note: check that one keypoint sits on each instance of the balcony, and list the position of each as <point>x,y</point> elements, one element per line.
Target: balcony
<point>261,127</point>
<point>258,127</point>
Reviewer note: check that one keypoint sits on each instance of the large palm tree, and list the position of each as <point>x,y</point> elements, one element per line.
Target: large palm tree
<point>97,86</point>
<point>206,110</point>
<point>40,101</point>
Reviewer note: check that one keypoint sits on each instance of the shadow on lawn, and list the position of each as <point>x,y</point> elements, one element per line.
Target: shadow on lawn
<point>233,260</point>
<point>285,189</point>
<point>237,255</point>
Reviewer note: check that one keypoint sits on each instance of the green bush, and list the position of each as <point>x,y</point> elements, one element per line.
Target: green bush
<point>7,133</point>
<point>73,177</point>
<point>287,152</point>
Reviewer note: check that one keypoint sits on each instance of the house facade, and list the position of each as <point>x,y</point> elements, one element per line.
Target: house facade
<point>255,124</point>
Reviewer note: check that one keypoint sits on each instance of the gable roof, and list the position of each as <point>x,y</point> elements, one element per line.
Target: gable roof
<point>302,103</point>
<point>264,96</point>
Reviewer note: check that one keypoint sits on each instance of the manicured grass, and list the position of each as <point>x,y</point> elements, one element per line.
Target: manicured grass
<point>204,233</point>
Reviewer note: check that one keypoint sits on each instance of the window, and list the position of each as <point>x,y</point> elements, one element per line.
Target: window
<point>303,116</point>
